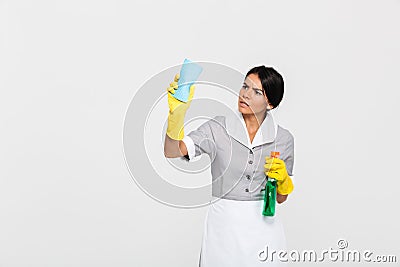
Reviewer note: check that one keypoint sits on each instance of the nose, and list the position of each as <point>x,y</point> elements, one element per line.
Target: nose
<point>246,94</point>
<point>243,98</point>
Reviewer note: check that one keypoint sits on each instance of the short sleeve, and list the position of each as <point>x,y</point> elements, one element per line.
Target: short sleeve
<point>201,141</point>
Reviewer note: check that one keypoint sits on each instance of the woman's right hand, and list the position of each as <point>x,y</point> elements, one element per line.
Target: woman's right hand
<point>174,103</point>
<point>177,110</point>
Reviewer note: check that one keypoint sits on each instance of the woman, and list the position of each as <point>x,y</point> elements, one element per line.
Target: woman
<point>239,145</point>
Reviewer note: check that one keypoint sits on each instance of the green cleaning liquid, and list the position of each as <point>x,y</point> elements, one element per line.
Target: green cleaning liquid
<point>270,193</point>
<point>269,198</point>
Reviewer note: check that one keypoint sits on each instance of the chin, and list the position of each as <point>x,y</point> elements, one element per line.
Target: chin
<point>244,110</point>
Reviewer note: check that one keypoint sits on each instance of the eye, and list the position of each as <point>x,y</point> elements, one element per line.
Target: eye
<point>245,86</point>
<point>258,92</point>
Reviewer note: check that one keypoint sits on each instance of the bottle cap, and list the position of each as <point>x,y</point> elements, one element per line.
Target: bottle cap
<point>275,154</point>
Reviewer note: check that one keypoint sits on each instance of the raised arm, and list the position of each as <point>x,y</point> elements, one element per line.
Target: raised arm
<point>174,146</point>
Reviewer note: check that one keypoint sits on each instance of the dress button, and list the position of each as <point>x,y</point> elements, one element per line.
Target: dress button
<point>247,190</point>
<point>248,177</point>
<point>250,162</point>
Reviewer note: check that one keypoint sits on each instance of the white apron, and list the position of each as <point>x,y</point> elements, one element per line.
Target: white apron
<point>235,232</point>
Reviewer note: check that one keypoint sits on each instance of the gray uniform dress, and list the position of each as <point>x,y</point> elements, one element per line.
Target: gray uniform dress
<point>235,230</point>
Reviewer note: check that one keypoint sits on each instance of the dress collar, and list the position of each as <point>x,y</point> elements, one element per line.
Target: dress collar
<point>236,128</point>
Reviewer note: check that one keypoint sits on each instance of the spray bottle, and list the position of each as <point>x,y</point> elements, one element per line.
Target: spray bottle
<point>270,192</point>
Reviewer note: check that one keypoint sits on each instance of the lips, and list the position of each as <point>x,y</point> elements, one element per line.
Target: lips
<point>244,103</point>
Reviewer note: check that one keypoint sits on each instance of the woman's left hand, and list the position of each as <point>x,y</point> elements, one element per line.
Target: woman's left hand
<point>276,168</point>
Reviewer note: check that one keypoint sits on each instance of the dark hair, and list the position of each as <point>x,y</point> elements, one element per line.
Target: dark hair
<point>272,83</point>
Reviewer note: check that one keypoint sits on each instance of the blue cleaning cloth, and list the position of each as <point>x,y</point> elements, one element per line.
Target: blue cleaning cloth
<point>189,73</point>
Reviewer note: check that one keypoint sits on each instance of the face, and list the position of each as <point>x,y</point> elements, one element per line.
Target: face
<point>252,94</point>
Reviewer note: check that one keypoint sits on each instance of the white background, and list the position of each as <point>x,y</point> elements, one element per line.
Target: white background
<point>68,70</point>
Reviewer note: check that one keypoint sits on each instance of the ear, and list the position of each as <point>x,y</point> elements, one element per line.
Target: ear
<point>269,106</point>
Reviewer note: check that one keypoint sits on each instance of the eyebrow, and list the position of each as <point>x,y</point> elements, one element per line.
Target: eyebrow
<point>253,87</point>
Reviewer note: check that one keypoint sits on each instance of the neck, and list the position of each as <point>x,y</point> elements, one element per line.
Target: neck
<point>253,121</point>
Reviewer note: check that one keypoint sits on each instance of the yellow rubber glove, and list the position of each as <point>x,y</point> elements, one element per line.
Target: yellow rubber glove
<point>276,168</point>
<point>177,111</point>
